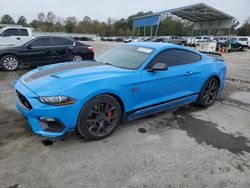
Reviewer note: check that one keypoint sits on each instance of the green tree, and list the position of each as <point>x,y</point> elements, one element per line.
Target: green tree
<point>22,21</point>
<point>7,19</point>
<point>244,30</point>
<point>51,17</point>
<point>70,24</point>
<point>170,26</point>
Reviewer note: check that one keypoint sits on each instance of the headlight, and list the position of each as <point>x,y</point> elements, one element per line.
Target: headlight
<point>58,100</point>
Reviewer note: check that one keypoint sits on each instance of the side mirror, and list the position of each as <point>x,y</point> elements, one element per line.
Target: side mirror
<point>158,67</point>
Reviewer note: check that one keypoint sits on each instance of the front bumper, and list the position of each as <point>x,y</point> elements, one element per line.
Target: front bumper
<point>46,120</point>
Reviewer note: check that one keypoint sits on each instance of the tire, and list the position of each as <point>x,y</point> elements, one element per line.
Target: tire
<point>76,58</point>
<point>10,63</point>
<point>99,118</point>
<point>208,92</point>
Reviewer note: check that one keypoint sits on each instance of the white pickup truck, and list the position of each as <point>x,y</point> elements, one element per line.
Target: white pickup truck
<point>12,35</point>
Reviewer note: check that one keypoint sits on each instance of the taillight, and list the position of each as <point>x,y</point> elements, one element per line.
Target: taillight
<point>90,48</point>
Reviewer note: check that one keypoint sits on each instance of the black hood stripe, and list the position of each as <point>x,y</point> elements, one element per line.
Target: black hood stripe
<point>60,68</point>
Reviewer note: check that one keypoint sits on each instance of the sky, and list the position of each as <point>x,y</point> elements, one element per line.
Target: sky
<point>102,9</point>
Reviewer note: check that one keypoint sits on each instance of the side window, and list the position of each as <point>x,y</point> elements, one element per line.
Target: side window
<point>193,57</point>
<point>41,42</point>
<point>62,42</point>
<point>11,32</point>
<point>24,32</point>
<point>171,57</point>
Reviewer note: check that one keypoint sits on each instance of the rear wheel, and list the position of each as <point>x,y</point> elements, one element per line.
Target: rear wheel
<point>208,92</point>
<point>99,117</point>
<point>76,57</point>
<point>10,63</point>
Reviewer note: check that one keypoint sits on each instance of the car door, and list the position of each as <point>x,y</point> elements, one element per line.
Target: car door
<point>10,36</point>
<point>38,51</point>
<point>181,79</point>
<point>62,49</point>
<point>23,33</point>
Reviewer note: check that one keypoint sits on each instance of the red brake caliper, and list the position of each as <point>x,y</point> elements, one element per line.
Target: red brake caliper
<point>109,114</point>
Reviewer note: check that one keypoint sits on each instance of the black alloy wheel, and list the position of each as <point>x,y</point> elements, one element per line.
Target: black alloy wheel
<point>99,117</point>
<point>209,92</point>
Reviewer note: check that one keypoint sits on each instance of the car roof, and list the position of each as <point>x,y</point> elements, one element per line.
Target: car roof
<point>156,45</point>
<point>159,46</point>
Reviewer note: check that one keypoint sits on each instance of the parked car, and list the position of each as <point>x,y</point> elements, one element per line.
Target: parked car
<point>244,41</point>
<point>190,41</point>
<point>130,81</point>
<point>43,50</point>
<point>199,38</point>
<point>176,40</point>
<point>220,40</point>
<point>232,45</point>
<point>158,39</point>
<point>119,39</point>
<point>13,35</point>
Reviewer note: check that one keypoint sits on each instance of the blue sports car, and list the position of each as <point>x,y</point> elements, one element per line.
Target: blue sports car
<point>126,82</point>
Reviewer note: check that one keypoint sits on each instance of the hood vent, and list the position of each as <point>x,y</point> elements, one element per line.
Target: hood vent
<point>60,68</point>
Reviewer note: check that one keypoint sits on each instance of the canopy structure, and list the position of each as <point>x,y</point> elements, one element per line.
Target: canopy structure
<point>202,15</point>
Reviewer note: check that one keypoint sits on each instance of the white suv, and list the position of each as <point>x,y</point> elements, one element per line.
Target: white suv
<point>12,35</point>
<point>244,41</point>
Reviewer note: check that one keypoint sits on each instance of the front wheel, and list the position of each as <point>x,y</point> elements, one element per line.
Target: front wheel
<point>10,63</point>
<point>99,117</point>
<point>208,92</point>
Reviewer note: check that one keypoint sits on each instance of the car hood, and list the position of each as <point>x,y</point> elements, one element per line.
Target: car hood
<point>54,79</point>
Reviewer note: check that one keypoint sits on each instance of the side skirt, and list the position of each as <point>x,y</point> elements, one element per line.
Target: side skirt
<point>159,107</point>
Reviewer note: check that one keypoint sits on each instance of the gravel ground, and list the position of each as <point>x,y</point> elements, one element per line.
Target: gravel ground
<point>185,147</point>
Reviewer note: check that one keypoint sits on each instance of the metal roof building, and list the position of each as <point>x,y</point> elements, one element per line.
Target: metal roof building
<point>202,15</point>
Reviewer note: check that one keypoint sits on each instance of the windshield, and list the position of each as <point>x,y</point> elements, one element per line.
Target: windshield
<point>126,56</point>
<point>242,39</point>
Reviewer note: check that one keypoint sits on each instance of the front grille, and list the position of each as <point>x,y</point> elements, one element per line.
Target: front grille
<point>22,99</point>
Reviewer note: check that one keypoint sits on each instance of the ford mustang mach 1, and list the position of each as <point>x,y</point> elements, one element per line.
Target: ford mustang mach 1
<point>127,82</point>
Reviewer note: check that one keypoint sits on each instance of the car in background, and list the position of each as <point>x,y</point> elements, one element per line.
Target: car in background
<point>232,45</point>
<point>13,35</point>
<point>176,40</point>
<point>221,40</point>
<point>200,38</point>
<point>244,41</point>
<point>127,82</point>
<point>157,39</point>
<point>43,50</point>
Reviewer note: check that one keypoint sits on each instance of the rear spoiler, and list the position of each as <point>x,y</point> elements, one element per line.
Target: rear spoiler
<point>214,55</point>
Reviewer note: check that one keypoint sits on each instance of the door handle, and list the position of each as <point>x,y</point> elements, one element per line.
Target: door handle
<point>18,38</point>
